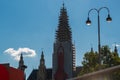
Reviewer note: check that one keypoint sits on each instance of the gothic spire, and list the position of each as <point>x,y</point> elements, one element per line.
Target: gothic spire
<point>21,63</point>
<point>64,31</point>
<point>42,60</point>
<point>22,66</point>
<point>92,50</point>
<point>21,57</point>
<point>115,49</point>
<point>63,4</point>
<point>41,75</point>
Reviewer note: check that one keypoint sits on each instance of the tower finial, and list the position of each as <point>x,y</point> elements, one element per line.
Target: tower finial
<point>42,55</point>
<point>92,48</point>
<point>21,56</point>
<point>115,49</point>
<point>63,4</point>
<point>21,63</point>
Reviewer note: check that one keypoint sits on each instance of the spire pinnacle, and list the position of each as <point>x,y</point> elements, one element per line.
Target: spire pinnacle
<point>42,60</point>
<point>92,48</point>
<point>63,9</point>
<point>21,63</point>
<point>21,56</point>
<point>63,5</point>
<point>64,31</point>
<point>42,55</point>
<point>115,49</point>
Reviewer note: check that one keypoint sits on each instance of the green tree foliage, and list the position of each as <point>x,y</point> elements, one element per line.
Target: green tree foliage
<point>108,59</point>
<point>90,62</point>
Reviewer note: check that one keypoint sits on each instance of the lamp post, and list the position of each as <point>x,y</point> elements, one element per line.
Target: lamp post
<point>88,22</point>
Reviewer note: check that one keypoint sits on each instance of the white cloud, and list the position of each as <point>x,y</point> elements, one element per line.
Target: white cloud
<point>27,52</point>
<point>118,45</point>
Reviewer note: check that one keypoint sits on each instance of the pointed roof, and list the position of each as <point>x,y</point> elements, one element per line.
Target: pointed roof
<point>42,60</point>
<point>21,56</point>
<point>21,59</point>
<point>92,50</point>
<point>42,56</point>
<point>64,31</point>
<point>21,63</point>
<point>115,49</point>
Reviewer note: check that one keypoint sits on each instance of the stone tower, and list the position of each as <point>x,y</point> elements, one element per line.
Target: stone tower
<point>41,75</point>
<point>64,40</point>
<point>22,66</point>
<point>116,51</point>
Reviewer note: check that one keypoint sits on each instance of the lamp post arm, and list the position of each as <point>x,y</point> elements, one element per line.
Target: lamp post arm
<point>98,10</point>
<point>104,8</point>
<point>94,9</point>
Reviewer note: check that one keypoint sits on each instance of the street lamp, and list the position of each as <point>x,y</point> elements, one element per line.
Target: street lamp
<point>88,22</point>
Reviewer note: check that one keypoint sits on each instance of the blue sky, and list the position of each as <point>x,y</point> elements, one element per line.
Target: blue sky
<point>31,24</point>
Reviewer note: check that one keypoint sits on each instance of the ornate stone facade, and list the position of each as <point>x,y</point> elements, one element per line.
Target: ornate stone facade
<point>64,39</point>
<point>41,74</point>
